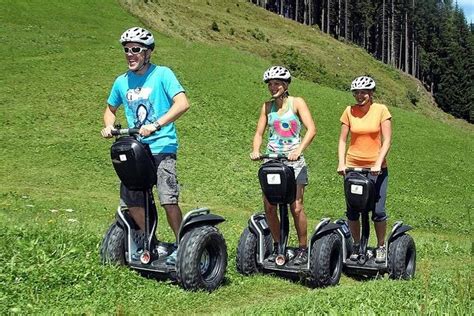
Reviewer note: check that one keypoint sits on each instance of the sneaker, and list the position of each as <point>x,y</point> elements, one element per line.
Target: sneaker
<point>136,255</point>
<point>380,254</point>
<point>274,254</point>
<point>301,257</point>
<point>171,259</point>
<point>355,252</point>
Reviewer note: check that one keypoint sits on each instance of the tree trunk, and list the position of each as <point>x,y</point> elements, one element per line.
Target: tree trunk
<point>328,23</point>
<point>346,21</point>
<point>406,42</point>
<point>297,10</point>
<point>392,39</point>
<point>389,42</point>
<point>322,17</point>
<point>338,24</point>
<point>305,12</point>
<point>383,31</point>
<point>400,50</point>
<point>413,54</point>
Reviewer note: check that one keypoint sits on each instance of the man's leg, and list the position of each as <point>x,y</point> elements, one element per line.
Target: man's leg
<point>168,191</point>
<point>174,217</point>
<point>138,215</point>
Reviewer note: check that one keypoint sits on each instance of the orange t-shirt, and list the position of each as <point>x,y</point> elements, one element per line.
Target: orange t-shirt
<point>366,134</point>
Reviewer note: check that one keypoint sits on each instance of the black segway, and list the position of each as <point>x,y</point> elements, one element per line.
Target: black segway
<point>202,253</point>
<point>400,263</point>
<point>324,266</point>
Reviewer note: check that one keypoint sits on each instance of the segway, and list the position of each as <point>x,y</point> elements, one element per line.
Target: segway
<point>324,266</point>
<point>202,253</point>
<point>400,263</point>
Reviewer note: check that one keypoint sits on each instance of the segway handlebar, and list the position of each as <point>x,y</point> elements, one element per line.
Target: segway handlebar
<point>275,156</point>
<point>365,170</point>
<point>125,131</point>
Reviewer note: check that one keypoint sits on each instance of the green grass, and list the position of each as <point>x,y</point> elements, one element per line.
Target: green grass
<point>58,191</point>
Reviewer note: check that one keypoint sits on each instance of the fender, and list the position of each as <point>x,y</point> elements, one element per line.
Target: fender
<point>258,224</point>
<point>397,231</point>
<point>324,229</point>
<point>199,220</point>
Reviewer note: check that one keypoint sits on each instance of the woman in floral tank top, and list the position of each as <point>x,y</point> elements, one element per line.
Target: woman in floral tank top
<point>285,116</point>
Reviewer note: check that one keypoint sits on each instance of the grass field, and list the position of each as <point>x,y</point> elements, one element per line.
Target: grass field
<point>59,191</point>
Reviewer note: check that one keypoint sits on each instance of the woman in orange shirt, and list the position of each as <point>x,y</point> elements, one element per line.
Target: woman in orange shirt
<point>370,128</point>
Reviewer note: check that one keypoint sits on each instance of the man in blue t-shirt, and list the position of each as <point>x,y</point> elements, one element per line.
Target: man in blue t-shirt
<point>153,99</point>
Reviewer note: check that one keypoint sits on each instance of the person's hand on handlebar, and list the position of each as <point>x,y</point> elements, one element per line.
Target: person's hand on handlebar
<point>107,131</point>
<point>255,155</point>
<point>147,130</point>
<point>341,169</point>
<point>294,155</point>
<point>376,170</point>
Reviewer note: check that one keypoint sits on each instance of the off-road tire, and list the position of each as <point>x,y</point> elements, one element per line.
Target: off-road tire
<point>246,261</point>
<point>402,258</point>
<point>326,261</point>
<point>112,248</point>
<point>199,240</point>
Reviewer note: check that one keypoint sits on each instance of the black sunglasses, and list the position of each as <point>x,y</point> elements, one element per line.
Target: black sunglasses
<point>134,49</point>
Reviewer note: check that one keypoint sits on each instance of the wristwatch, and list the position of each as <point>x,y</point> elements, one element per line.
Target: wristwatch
<point>157,125</point>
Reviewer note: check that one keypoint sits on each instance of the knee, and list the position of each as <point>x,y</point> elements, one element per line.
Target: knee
<point>298,209</point>
<point>269,208</point>
<point>379,216</point>
<point>172,208</point>
<point>352,216</point>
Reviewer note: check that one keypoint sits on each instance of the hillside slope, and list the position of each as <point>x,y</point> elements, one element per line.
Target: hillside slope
<point>309,53</point>
<point>59,192</point>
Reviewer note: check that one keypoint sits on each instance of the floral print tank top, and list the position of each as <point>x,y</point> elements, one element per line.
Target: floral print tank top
<point>284,130</point>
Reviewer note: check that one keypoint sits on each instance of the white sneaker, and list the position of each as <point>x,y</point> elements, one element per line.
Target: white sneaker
<point>380,254</point>
<point>355,252</point>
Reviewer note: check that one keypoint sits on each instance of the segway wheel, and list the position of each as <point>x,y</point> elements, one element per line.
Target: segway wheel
<point>326,260</point>
<point>202,259</point>
<point>247,252</point>
<point>402,258</point>
<point>112,248</point>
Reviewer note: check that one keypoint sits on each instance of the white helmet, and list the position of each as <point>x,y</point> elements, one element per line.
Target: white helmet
<point>138,35</point>
<point>363,83</point>
<point>277,72</point>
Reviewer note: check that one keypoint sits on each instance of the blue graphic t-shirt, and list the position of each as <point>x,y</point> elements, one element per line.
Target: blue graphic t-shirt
<point>146,98</point>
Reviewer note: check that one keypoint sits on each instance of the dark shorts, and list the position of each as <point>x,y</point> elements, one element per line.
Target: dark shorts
<point>381,183</point>
<point>167,184</point>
